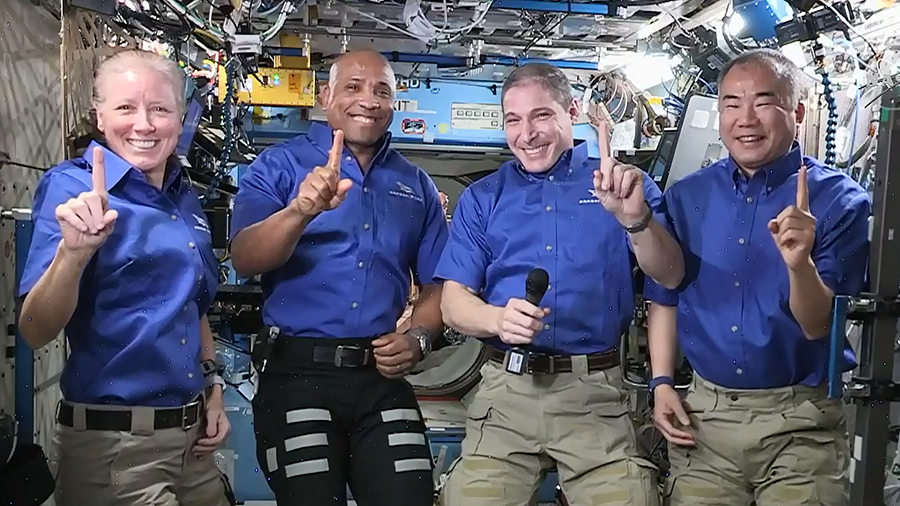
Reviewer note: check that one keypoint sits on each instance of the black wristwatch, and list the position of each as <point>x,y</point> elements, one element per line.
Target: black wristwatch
<point>641,225</point>
<point>423,339</point>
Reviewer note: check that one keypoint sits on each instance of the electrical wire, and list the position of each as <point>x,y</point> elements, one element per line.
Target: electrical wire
<point>231,69</point>
<point>848,24</point>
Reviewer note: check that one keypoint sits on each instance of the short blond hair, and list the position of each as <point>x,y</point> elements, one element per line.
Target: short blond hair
<point>128,59</point>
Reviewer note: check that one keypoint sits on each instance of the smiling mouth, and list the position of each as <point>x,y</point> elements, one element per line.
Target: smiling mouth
<point>535,152</point>
<point>143,144</point>
<point>749,139</point>
<point>365,120</point>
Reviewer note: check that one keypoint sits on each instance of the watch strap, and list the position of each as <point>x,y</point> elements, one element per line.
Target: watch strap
<point>215,379</point>
<point>423,339</point>
<point>641,225</point>
<point>661,380</point>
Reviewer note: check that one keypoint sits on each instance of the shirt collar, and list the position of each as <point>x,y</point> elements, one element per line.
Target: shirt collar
<point>322,136</point>
<point>117,167</point>
<point>775,172</point>
<point>570,160</point>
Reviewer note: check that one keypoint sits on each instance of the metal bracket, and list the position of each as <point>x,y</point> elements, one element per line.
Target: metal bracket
<point>864,391</point>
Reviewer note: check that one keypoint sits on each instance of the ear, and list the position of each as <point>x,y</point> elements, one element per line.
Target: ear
<point>800,112</point>
<point>574,110</point>
<point>100,122</point>
<point>325,97</point>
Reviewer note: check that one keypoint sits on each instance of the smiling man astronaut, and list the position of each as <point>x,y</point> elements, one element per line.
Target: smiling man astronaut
<point>335,221</point>
<point>551,208</point>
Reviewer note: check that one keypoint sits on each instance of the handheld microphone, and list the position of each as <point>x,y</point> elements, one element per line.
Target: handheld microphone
<point>535,287</point>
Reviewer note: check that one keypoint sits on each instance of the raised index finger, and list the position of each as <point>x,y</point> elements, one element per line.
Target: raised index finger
<point>802,189</point>
<point>98,172</point>
<point>603,134</point>
<point>337,148</point>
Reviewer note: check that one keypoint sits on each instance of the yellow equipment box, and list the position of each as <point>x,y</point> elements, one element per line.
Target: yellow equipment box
<point>276,87</point>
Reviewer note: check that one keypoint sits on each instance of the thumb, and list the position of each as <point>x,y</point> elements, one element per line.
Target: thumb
<point>343,187</point>
<point>109,220</point>
<point>681,414</point>
<point>212,425</point>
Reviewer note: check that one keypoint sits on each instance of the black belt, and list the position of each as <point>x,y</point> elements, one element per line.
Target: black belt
<point>289,354</point>
<point>184,417</point>
<point>553,364</point>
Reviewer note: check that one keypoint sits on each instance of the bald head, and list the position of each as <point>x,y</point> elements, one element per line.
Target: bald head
<point>359,98</point>
<point>361,58</point>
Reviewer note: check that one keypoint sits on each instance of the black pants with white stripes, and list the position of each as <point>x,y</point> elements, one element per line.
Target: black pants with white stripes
<point>323,428</point>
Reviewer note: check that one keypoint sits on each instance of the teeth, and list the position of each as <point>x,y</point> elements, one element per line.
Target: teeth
<point>749,138</point>
<point>533,151</point>
<point>363,119</point>
<point>142,144</point>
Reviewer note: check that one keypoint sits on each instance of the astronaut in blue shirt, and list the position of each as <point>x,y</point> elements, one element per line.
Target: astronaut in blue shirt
<point>769,237</point>
<point>552,208</point>
<point>121,259</point>
<point>335,221</point>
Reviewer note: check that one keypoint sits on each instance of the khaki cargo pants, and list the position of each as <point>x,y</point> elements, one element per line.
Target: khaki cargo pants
<point>110,468</point>
<point>777,447</point>
<point>518,426</point>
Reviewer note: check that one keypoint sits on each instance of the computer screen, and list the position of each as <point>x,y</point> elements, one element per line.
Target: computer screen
<point>663,158</point>
<point>189,126</point>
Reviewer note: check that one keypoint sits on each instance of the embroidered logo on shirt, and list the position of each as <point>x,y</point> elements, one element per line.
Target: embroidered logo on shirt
<point>405,192</point>
<point>201,225</point>
<point>595,199</point>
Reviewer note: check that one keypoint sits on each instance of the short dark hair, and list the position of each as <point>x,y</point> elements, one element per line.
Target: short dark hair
<point>550,77</point>
<point>784,69</point>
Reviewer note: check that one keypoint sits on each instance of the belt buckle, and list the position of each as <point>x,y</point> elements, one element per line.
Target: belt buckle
<point>551,364</point>
<point>339,355</point>
<point>185,410</point>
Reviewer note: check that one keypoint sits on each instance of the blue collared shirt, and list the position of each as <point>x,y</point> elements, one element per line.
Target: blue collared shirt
<point>734,318</point>
<point>511,221</point>
<point>135,334</point>
<point>349,275</point>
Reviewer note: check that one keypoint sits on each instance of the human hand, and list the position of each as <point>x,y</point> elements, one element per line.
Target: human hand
<point>519,322</point>
<point>669,410</point>
<point>396,354</point>
<point>217,425</point>
<point>618,186</point>
<point>86,220</point>
<point>794,229</point>
<point>323,189</point>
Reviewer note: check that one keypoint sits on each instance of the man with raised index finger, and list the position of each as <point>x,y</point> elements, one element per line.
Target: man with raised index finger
<point>769,237</point>
<point>335,221</point>
<point>552,208</point>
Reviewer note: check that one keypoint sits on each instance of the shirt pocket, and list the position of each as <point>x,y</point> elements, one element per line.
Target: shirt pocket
<point>400,225</point>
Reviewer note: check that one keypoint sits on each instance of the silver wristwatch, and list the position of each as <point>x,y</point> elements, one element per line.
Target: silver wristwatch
<point>423,339</point>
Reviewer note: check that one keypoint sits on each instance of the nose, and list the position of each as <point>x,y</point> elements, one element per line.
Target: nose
<point>747,116</point>
<point>528,131</point>
<point>143,121</point>
<point>368,100</point>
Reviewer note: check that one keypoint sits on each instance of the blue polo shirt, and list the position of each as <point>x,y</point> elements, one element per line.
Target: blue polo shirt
<point>349,275</point>
<point>135,335</point>
<point>511,221</point>
<point>734,318</point>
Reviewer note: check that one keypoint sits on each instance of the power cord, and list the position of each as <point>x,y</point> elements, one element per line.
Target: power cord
<point>4,160</point>
<point>231,69</point>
